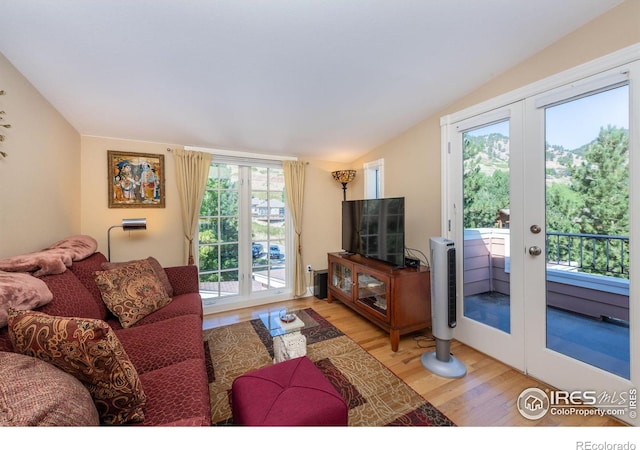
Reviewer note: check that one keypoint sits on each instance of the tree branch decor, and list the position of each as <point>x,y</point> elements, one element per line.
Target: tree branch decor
<point>3,125</point>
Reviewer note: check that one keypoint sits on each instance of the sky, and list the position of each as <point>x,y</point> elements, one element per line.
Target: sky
<point>578,122</point>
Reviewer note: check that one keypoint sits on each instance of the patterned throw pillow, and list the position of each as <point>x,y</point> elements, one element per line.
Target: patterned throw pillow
<point>89,350</point>
<point>157,268</point>
<point>132,291</point>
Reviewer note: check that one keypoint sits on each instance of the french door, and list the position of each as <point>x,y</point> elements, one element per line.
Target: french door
<point>486,207</point>
<point>539,203</point>
<point>243,236</point>
<point>577,234</point>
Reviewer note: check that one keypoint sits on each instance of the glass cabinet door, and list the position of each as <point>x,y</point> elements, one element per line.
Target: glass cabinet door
<point>373,292</point>
<point>341,278</point>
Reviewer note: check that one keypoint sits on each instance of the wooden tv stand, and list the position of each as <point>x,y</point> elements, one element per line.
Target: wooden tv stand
<point>396,300</point>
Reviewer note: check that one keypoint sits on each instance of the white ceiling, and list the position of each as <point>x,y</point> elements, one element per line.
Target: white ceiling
<point>327,79</point>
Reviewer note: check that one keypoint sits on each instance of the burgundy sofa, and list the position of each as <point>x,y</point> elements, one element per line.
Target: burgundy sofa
<point>166,347</point>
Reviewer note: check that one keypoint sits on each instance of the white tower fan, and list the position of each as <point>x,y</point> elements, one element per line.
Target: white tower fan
<point>443,310</point>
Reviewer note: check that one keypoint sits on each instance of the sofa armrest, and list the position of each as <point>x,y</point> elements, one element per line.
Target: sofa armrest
<point>183,279</point>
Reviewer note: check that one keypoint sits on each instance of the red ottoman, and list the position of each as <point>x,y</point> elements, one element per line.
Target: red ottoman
<point>290,393</point>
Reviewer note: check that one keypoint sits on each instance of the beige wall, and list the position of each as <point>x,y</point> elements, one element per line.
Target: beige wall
<point>412,159</point>
<point>163,236</point>
<point>412,170</point>
<point>614,30</point>
<point>322,215</point>
<point>40,179</point>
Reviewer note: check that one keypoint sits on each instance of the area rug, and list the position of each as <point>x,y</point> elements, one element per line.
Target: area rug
<point>375,395</point>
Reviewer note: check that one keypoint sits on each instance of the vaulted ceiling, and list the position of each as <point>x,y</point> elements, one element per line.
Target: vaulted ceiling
<point>326,79</point>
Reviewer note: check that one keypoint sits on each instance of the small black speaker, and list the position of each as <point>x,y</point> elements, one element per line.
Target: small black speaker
<point>320,278</point>
<point>412,263</point>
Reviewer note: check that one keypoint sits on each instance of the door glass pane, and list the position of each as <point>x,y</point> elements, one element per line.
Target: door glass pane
<point>218,234</point>
<point>587,223</point>
<point>268,228</point>
<point>486,249</point>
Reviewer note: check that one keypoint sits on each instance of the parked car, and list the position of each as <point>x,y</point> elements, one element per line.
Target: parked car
<point>275,252</point>
<point>257,250</point>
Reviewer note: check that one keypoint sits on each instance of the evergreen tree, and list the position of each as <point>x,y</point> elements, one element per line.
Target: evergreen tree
<point>595,202</point>
<point>602,180</point>
<point>218,199</point>
<point>564,206</point>
<point>484,195</point>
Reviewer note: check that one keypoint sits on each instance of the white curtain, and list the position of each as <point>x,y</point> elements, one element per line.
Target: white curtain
<point>294,189</point>
<point>192,173</point>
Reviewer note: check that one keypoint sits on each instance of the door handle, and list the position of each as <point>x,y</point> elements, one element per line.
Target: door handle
<point>535,251</point>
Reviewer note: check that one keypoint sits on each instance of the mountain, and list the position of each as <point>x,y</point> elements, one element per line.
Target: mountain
<point>491,153</point>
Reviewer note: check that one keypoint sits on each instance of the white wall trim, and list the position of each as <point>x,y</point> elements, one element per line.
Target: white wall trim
<point>368,168</point>
<point>445,226</point>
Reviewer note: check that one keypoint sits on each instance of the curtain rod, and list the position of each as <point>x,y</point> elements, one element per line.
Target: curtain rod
<point>220,152</point>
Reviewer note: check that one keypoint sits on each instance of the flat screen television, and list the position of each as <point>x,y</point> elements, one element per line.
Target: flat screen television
<point>374,228</point>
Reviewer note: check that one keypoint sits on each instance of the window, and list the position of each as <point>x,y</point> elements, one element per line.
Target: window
<point>373,179</point>
<point>243,232</point>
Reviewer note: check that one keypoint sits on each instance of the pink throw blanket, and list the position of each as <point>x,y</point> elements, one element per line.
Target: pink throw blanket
<point>54,259</point>
<point>21,291</point>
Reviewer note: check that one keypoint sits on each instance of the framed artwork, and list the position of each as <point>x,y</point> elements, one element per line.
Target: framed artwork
<point>136,180</point>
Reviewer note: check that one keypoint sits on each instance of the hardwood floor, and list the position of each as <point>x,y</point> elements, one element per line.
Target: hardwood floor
<point>486,396</point>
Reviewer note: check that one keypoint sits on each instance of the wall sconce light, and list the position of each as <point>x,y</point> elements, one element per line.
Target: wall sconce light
<point>127,225</point>
<point>344,177</point>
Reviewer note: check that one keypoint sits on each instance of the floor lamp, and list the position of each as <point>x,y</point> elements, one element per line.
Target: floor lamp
<point>344,177</point>
<point>127,225</point>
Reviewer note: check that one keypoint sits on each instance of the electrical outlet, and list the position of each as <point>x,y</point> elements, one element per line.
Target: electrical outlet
<point>308,267</point>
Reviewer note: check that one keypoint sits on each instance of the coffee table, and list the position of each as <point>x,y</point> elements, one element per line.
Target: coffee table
<point>288,340</point>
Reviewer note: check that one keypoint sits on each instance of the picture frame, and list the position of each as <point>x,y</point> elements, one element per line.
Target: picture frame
<point>136,180</point>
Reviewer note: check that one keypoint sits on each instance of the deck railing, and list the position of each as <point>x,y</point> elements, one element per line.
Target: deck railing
<point>585,273</point>
<point>591,253</point>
